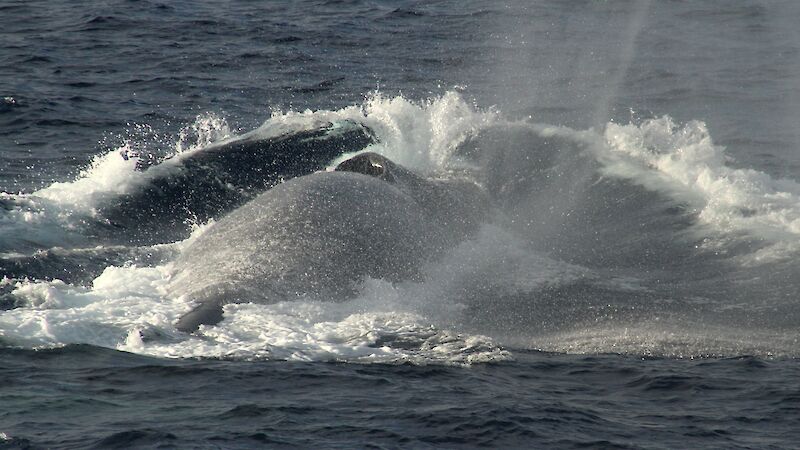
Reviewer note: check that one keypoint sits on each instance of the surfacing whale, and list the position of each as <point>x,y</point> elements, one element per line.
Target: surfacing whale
<point>212,181</point>
<point>318,236</point>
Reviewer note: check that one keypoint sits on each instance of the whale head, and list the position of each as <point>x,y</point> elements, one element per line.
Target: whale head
<point>371,164</point>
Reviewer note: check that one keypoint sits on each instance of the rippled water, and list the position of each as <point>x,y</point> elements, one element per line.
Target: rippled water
<point>633,284</point>
<point>118,400</point>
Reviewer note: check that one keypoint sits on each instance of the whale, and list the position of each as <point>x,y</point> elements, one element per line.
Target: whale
<point>319,236</point>
<point>174,194</point>
<point>207,183</point>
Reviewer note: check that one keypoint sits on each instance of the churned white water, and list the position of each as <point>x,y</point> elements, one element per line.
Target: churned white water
<point>127,307</point>
<point>683,162</point>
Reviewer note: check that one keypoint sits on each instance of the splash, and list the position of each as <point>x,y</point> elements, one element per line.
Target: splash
<point>114,172</point>
<point>206,130</point>
<point>684,162</point>
<point>125,308</point>
<point>423,136</point>
<point>498,284</point>
<point>420,135</point>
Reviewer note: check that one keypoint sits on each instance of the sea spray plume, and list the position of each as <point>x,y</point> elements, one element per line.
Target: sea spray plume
<point>583,196</point>
<point>703,246</point>
<point>581,85</point>
<point>616,239</point>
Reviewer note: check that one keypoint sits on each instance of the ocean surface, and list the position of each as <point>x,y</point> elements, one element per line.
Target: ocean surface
<point>633,280</point>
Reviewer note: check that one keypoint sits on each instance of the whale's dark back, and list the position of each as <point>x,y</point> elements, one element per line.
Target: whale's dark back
<point>210,182</point>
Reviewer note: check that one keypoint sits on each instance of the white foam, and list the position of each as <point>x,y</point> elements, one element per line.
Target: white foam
<point>683,162</point>
<point>419,135</point>
<point>125,308</point>
<point>110,174</point>
<point>667,341</point>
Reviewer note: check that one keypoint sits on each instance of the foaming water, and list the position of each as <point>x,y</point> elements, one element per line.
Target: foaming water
<point>114,173</point>
<point>549,270</point>
<point>684,162</point>
<point>126,308</point>
<point>56,215</point>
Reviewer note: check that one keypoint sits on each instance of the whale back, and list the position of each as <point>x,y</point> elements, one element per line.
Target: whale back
<point>316,235</point>
<point>319,236</point>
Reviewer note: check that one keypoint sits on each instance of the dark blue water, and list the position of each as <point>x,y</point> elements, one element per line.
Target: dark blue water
<point>88,397</point>
<point>634,284</point>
